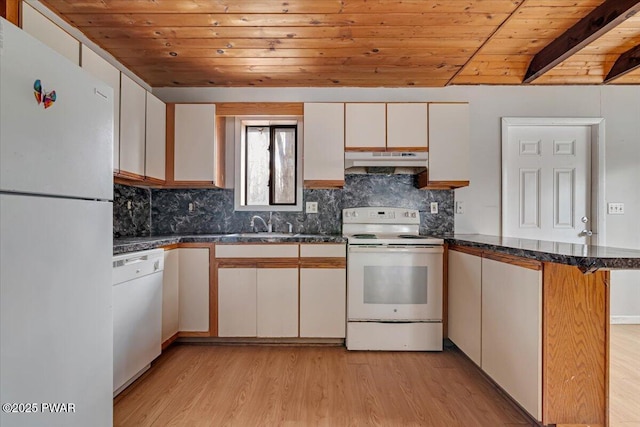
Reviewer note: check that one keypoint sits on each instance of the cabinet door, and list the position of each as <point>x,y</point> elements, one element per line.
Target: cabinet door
<point>323,296</point>
<point>277,302</point>
<point>100,68</point>
<point>194,157</point>
<point>365,126</point>
<point>156,133</point>
<point>237,302</point>
<point>465,275</point>
<point>448,142</point>
<point>512,331</point>
<point>324,144</point>
<point>407,126</point>
<point>194,289</point>
<point>170,291</point>
<point>132,126</point>
<point>40,27</point>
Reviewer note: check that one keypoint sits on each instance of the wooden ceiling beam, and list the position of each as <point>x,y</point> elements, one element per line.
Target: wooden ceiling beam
<point>602,19</point>
<point>627,62</point>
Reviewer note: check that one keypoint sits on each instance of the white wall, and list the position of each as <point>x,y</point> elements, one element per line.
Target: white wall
<point>619,105</point>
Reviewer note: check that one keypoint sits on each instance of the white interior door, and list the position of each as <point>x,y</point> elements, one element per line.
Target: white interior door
<point>547,182</point>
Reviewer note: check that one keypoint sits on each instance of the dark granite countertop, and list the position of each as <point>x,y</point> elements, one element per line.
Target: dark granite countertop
<point>134,244</point>
<point>585,257</point>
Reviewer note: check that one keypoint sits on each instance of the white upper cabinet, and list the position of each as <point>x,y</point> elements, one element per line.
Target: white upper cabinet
<point>448,142</point>
<point>407,126</point>
<point>323,144</point>
<point>195,143</point>
<point>132,127</point>
<point>365,126</point>
<point>40,27</point>
<point>100,68</point>
<point>156,134</point>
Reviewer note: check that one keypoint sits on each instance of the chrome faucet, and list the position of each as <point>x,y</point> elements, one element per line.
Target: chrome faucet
<point>267,225</point>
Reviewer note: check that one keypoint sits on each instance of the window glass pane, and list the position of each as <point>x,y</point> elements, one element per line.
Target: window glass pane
<point>284,166</point>
<point>257,166</point>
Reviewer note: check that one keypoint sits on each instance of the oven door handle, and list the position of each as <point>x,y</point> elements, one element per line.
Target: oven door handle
<point>398,249</point>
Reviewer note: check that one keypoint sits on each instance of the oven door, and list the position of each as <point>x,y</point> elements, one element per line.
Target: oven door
<point>395,283</point>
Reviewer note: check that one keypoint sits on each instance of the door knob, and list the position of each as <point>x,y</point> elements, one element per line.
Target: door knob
<point>587,233</point>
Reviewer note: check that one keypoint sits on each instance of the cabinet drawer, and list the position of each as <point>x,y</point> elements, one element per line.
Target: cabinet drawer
<point>326,250</point>
<point>257,251</point>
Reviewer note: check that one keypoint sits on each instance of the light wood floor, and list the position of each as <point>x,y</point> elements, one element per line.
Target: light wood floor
<point>308,386</point>
<point>624,409</point>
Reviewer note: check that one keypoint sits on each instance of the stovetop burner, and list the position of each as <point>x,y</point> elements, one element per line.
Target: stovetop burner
<point>365,236</point>
<point>410,236</point>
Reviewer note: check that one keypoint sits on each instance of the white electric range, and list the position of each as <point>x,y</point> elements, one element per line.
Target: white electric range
<point>394,281</point>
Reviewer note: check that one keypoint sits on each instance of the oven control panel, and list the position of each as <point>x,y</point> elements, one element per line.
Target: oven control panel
<point>373,215</point>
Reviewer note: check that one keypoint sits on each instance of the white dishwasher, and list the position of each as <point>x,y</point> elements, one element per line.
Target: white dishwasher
<point>137,314</point>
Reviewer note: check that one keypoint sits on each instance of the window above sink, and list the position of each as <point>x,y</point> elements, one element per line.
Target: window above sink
<point>268,163</point>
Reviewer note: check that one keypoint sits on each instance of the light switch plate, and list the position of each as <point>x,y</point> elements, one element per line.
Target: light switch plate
<point>615,208</point>
<point>434,207</point>
<point>459,208</point>
<point>312,207</point>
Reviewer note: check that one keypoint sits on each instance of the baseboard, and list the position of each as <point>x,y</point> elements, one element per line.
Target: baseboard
<point>625,320</point>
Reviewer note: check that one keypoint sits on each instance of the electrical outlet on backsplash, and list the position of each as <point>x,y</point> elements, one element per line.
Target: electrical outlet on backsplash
<point>166,211</point>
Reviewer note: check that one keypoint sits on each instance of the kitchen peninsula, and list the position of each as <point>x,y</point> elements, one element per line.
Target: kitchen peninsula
<point>539,323</point>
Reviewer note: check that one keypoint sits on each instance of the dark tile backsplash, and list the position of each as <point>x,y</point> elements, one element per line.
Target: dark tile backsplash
<point>132,222</point>
<point>213,209</point>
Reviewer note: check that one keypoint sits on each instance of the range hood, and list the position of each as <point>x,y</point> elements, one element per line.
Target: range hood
<point>385,159</point>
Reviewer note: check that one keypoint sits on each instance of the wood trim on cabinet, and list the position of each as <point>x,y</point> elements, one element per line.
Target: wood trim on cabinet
<point>528,263</point>
<point>575,343</point>
<point>193,334</point>
<point>424,183</point>
<point>408,149</point>
<point>170,141</point>
<point>154,181</point>
<point>259,108</point>
<point>11,11</point>
<point>221,142</point>
<point>364,149</point>
<point>313,262</point>
<point>213,290</point>
<point>171,246</point>
<point>465,249</point>
<point>257,262</point>
<point>128,176</point>
<point>190,184</point>
<point>169,341</point>
<point>445,292</point>
<point>324,184</point>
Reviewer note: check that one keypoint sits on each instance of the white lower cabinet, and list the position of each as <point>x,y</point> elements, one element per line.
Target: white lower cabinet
<point>512,331</point>
<point>193,297</point>
<point>323,302</point>
<point>237,302</point>
<point>277,302</point>
<point>257,302</point>
<point>170,290</point>
<point>465,293</point>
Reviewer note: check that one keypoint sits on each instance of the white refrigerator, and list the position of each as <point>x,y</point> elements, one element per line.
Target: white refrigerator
<point>56,190</point>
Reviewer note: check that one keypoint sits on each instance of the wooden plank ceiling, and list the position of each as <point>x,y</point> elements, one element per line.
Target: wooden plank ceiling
<point>362,43</point>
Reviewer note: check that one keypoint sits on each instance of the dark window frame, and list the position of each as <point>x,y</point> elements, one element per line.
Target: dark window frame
<point>272,131</point>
